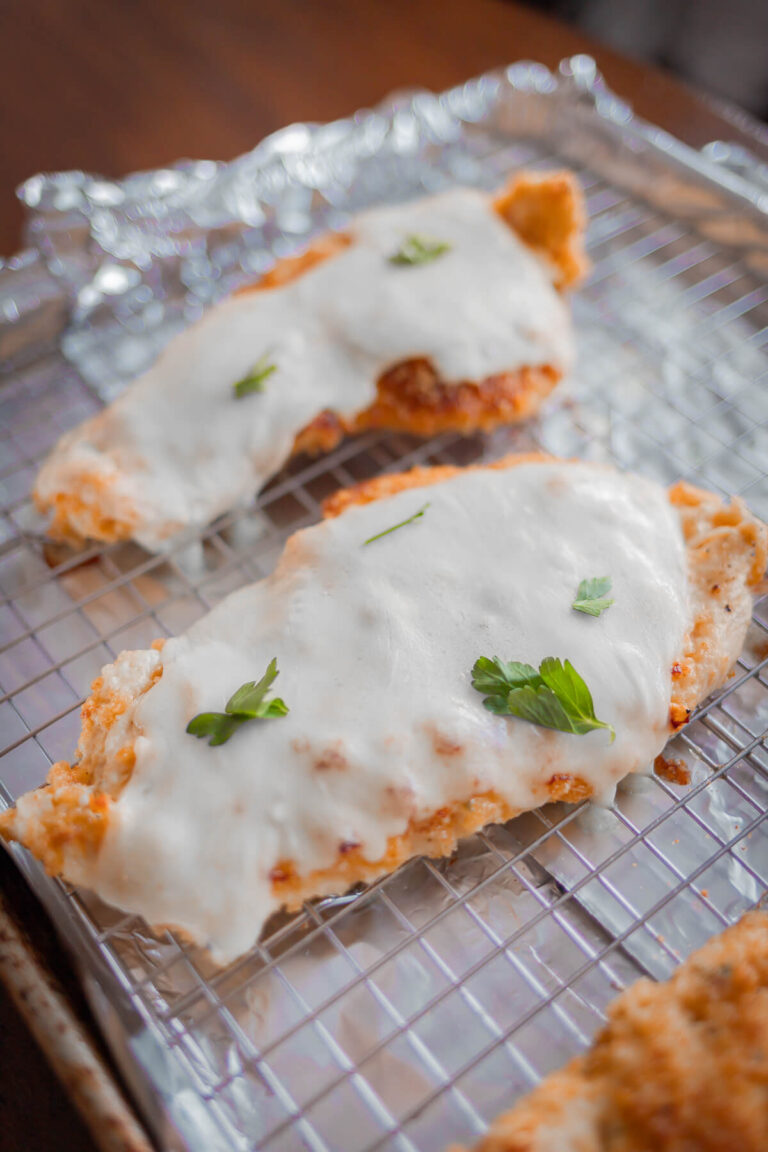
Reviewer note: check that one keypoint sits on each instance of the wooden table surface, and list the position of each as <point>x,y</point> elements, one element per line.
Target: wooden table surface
<point>113,86</point>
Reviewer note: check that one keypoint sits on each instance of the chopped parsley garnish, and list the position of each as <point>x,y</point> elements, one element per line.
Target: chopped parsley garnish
<point>248,703</point>
<point>554,697</point>
<point>592,596</point>
<point>253,381</point>
<point>419,249</point>
<point>395,527</point>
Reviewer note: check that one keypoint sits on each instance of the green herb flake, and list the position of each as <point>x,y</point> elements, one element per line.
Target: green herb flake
<point>592,596</point>
<point>554,697</point>
<point>395,527</point>
<point>419,249</point>
<point>254,380</point>
<point>248,703</point>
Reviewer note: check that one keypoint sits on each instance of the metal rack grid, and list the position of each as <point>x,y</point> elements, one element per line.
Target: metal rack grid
<point>406,1016</point>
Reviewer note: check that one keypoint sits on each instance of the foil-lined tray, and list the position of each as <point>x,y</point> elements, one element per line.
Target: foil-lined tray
<point>407,1015</point>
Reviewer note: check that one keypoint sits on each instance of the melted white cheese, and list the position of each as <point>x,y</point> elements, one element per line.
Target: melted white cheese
<point>375,646</point>
<point>179,448</point>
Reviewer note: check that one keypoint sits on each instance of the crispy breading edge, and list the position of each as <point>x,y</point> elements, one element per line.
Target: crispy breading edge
<point>727,550</point>
<point>547,211</point>
<point>682,1064</point>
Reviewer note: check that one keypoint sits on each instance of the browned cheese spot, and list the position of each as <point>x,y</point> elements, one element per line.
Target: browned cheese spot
<point>564,786</point>
<point>331,760</point>
<point>444,746</point>
<point>673,769</point>
<point>678,715</point>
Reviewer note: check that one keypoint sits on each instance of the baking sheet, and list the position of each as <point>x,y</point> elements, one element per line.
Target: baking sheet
<point>408,1016</point>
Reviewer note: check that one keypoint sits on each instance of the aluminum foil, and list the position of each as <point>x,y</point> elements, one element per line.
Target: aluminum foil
<point>405,1016</point>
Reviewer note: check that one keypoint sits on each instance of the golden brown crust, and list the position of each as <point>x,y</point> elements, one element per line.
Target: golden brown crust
<point>71,809</point>
<point>548,214</point>
<point>546,211</point>
<point>727,556</point>
<point>70,819</point>
<point>391,483</point>
<point>681,1066</point>
<point>436,836</point>
<point>77,518</point>
<point>411,397</point>
<point>292,267</point>
<point>727,549</point>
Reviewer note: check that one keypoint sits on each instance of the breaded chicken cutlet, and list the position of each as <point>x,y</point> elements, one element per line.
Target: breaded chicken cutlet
<point>445,313</point>
<point>681,1066</point>
<point>384,621</point>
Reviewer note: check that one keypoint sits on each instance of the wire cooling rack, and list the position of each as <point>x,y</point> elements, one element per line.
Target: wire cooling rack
<point>407,1015</point>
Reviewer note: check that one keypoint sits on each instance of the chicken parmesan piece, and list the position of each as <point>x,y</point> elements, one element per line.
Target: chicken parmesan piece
<point>681,1066</point>
<point>382,748</point>
<point>446,313</point>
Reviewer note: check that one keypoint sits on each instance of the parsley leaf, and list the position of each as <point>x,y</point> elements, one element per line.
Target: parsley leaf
<point>554,697</point>
<point>419,249</point>
<point>497,678</point>
<point>253,381</point>
<point>249,697</point>
<point>394,527</point>
<point>492,675</point>
<point>218,725</point>
<point>591,596</point>
<point>248,703</point>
